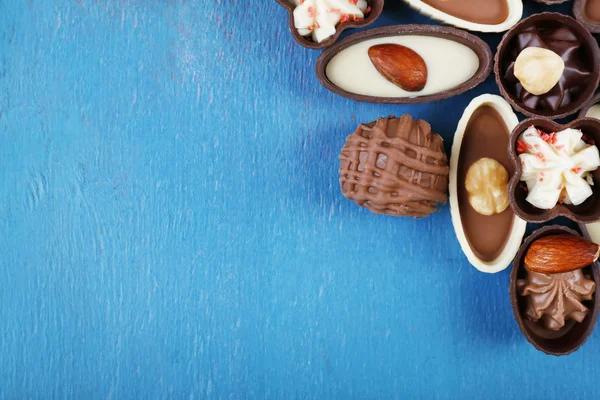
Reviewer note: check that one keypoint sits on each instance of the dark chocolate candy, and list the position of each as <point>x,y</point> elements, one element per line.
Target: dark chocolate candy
<point>568,38</point>
<point>395,166</point>
<point>568,337</point>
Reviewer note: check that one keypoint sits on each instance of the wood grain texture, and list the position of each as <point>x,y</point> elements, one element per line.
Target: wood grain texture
<point>171,224</point>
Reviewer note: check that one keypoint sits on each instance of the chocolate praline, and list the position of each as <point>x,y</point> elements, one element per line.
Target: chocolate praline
<point>395,166</point>
<point>588,13</point>
<point>574,334</point>
<point>483,133</point>
<point>359,63</point>
<point>376,9</point>
<point>585,213</point>
<point>566,37</point>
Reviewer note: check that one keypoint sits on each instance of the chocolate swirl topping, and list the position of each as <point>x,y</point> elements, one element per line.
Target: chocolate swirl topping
<point>556,298</point>
<point>395,166</point>
<point>564,42</point>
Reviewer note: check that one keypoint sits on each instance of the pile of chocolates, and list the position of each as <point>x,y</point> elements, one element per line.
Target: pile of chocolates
<point>502,173</point>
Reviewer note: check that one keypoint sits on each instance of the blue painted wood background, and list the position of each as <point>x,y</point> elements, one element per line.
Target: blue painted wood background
<point>171,224</point>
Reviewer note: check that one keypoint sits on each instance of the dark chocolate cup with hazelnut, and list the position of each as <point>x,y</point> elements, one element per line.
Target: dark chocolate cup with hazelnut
<point>376,9</point>
<point>585,213</point>
<point>574,334</point>
<point>589,54</point>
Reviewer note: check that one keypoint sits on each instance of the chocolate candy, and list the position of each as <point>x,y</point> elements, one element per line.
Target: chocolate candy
<point>567,38</point>
<point>375,9</point>
<point>588,13</point>
<point>395,166</point>
<point>490,12</point>
<point>588,211</point>
<point>455,62</point>
<point>556,313</point>
<point>556,299</point>
<point>474,15</point>
<point>483,133</point>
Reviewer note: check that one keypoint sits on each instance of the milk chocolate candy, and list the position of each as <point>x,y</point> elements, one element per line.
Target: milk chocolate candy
<point>555,312</point>
<point>395,166</point>
<point>588,13</point>
<point>483,133</point>
<point>473,15</point>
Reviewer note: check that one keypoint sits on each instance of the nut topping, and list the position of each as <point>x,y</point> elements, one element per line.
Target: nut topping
<point>487,185</point>
<point>400,65</point>
<point>538,69</point>
<point>556,254</point>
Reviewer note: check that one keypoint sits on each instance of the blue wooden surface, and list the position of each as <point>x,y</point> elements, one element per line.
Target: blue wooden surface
<point>171,224</point>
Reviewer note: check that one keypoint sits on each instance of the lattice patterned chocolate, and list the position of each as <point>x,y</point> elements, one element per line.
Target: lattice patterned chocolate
<point>395,166</point>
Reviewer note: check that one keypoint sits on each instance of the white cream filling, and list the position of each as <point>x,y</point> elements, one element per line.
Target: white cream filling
<point>319,18</point>
<point>557,170</point>
<point>449,64</point>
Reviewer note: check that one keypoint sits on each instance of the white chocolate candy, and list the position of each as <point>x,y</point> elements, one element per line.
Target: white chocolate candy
<point>319,18</point>
<point>557,169</point>
<point>449,64</point>
<point>594,111</point>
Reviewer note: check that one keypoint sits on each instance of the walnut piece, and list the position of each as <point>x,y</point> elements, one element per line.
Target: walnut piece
<point>487,185</point>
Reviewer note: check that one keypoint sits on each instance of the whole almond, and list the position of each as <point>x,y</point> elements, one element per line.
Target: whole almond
<point>400,65</point>
<point>556,254</point>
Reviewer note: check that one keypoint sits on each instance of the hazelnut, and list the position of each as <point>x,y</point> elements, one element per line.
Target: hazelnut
<point>538,69</point>
<point>487,185</point>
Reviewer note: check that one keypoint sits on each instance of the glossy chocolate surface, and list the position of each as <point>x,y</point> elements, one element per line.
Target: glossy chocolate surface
<point>574,334</point>
<point>562,41</point>
<point>568,38</point>
<point>554,300</point>
<point>588,211</point>
<point>477,11</point>
<point>486,135</point>
<point>478,46</point>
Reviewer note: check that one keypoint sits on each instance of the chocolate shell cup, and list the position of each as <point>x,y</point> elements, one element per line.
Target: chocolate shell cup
<point>376,9</point>
<point>478,51</point>
<point>589,56</point>
<point>574,334</point>
<point>585,213</point>
<point>580,11</point>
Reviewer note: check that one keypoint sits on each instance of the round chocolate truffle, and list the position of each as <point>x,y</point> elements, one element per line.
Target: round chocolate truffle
<point>395,166</point>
